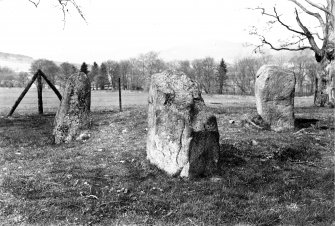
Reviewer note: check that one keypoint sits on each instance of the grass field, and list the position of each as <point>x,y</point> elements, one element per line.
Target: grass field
<point>267,178</point>
<point>107,100</point>
<point>101,100</point>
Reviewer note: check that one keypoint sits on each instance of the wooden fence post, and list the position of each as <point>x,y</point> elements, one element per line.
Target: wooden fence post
<point>39,93</point>
<point>51,85</point>
<point>22,94</point>
<point>120,100</point>
<point>38,75</point>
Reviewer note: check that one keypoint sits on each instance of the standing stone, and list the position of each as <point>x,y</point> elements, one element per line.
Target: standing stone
<point>274,91</point>
<point>183,138</point>
<point>73,115</point>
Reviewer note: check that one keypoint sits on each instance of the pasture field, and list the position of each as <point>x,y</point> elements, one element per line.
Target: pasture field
<point>267,178</point>
<point>101,100</point>
<point>108,100</point>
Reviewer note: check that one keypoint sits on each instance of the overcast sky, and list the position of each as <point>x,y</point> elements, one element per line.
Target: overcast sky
<point>119,29</point>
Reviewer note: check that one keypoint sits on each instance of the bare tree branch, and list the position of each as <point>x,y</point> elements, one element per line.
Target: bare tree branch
<point>73,2</point>
<point>277,17</point>
<point>318,35</point>
<point>308,34</point>
<point>264,41</point>
<point>35,3</point>
<point>322,8</point>
<point>316,15</point>
<point>305,33</point>
<point>64,7</point>
<point>301,39</point>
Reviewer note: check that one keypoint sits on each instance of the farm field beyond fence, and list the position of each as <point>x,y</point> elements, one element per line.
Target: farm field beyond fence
<point>108,100</point>
<point>265,178</point>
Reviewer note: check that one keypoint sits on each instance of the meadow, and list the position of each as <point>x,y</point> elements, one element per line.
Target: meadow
<point>266,178</point>
<point>108,100</point>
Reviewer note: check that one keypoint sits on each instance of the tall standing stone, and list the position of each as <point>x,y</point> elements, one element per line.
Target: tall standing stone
<point>274,91</point>
<point>183,138</point>
<point>73,114</point>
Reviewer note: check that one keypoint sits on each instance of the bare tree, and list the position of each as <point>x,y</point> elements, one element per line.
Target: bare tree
<point>65,71</point>
<point>204,71</point>
<point>307,37</point>
<point>64,6</point>
<point>125,70</point>
<point>305,69</point>
<point>113,71</point>
<point>49,68</point>
<point>243,73</point>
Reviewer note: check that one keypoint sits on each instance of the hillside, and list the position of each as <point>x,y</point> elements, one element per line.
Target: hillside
<point>16,62</point>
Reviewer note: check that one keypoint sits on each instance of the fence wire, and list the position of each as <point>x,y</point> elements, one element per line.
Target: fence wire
<point>100,100</point>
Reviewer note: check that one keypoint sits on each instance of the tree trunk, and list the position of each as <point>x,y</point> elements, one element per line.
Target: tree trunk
<point>315,90</point>
<point>319,94</point>
<point>331,83</point>
<point>221,85</point>
<point>330,64</point>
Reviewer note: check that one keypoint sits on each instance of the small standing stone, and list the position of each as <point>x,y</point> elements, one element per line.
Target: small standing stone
<point>73,115</point>
<point>183,138</point>
<point>274,91</point>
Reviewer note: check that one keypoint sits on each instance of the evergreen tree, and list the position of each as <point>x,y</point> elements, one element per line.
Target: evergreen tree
<point>222,73</point>
<point>84,68</point>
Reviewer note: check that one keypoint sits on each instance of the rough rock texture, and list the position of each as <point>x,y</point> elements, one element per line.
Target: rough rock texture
<point>274,91</point>
<point>73,115</point>
<point>183,138</point>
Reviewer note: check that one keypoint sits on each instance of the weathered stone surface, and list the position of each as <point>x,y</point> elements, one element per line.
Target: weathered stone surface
<point>183,137</point>
<point>73,115</point>
<point>274,91</point>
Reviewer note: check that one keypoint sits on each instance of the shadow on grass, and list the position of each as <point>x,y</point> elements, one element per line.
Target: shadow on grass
<point>304,123</point>
<point>301,123</point>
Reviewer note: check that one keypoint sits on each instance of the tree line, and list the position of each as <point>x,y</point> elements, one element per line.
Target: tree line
<point>10,78</point>
<point>213,77</point>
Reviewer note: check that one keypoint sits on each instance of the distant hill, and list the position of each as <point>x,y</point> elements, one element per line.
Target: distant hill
<point>16,62</point>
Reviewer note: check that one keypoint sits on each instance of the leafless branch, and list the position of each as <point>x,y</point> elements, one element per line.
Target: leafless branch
<point>316,15</point>
<point>322,8</point>
<point>305,34</point>
<point>277,17</point>
<point>318,35</point>
<point>308,34</point>
<point>64,7</point>
<point>35,3</point>
<point>298,42</point>
<point>264,41</point>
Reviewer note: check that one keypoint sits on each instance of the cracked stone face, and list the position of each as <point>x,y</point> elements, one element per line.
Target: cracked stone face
<point>274,91</point>
<point>73,114</point>
<point>183,137</point>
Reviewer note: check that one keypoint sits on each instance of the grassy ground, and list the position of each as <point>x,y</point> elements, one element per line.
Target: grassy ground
<point>101,100</point>
<point>267,178</point>
<point>107,100</point>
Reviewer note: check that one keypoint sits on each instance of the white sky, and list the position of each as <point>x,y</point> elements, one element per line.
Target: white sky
<point>119,29</point>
